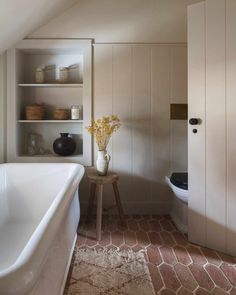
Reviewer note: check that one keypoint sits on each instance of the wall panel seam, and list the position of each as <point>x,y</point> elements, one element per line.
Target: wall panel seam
<point>112,99</point>
<point>205,221</point>
<point>132,115</point>
<point>226,135</point>
<point>151,113</point>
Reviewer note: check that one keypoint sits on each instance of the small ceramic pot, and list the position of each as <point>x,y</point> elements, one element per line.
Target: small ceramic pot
<point>64,145</point>
<point>102,162</point>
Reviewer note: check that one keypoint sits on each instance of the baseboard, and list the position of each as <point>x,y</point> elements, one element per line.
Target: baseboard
<point>182,227</point>
<point>139,208</point>
<point>68,265</point>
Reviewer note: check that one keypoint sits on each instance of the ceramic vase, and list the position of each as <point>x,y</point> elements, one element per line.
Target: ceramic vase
<point>102,162</point>
<point>64,145</point>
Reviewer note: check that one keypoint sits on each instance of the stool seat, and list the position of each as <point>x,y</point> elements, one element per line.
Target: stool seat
<point>95,178</point>
<point>96,190</point>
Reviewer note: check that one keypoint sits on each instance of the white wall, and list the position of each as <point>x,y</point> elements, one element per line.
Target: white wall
<point>20,18</point>
<point>112,21</point>
<point>138,83</point>
<point>2,107</point>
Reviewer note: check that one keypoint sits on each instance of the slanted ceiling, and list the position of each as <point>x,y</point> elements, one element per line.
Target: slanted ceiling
<point>121,21</point>
<point>19,18</point>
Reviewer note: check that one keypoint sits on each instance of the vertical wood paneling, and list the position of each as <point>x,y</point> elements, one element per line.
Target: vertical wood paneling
<point>103,88</point>
<point>231,124</point>
<point>160,125</point>
<point>122,106</point>
<point>134,82</point>
<point>178,74</point>
<point>141,117</point>
<point>179,145</point>
<point>215,124</point>
<point>196,142</point>
<point>103,96</point>
<point>2,106</point>
<point>178,94</point>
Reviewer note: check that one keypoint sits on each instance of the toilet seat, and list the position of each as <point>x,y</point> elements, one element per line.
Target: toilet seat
<point>180,193</point>
<point>180,180</point>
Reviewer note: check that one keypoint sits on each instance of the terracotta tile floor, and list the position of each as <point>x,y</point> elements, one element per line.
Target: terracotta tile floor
<point>176,266</point>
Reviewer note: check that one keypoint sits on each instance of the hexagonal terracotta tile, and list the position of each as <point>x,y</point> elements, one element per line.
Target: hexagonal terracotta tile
<point>218,277</point>
<point>130,238</point>
<point>133,225</point>
<point>168,255</point>
<point>175,265</point>
<point>201,276</point>
<point>142,238</point>
<point>196,255</point>
<point>167,238</point>
<point>182,255</point>
<point>117,238</point>
<point>154,255</point>
<point>155,238</point>
<point>185,276</point>
<point>169,277</point>
<point>156,277</point>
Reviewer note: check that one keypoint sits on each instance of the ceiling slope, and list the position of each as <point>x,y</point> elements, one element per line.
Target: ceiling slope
<point>18,18</point>
<point>121,21</point>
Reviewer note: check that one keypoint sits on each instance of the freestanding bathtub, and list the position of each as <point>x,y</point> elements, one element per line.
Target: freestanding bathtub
<point>39,215</point>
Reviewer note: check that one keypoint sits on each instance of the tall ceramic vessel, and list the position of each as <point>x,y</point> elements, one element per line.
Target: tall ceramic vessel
<point>102,162</point>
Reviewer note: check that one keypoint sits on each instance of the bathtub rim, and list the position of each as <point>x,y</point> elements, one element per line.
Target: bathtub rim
<point>30,247</point>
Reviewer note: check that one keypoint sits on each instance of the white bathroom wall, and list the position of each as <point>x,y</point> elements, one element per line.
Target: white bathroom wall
<point>137,80</point>
<point>20,18</point>
<point>138,83</point>
<point>2,107</point>
<point>212,151</point>
<point>112,21</point>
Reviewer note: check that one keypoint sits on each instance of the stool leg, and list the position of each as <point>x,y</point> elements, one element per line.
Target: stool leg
<point>99,211</point>
<point>91,202</point>
<point>118,202</point>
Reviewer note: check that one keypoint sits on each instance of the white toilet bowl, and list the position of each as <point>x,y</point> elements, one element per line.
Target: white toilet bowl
<point>179,210</point>
<point>180,193</point>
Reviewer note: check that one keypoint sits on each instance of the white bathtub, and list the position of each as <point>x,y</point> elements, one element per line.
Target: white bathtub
<point>39,214</point>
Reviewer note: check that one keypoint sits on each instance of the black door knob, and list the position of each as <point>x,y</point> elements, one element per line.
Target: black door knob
<point>193,121</point>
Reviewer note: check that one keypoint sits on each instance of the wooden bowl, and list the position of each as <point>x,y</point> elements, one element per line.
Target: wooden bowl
<point>35,112</point>
<point>61,114</point>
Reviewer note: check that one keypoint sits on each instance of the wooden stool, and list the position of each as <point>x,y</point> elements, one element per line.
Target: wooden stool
<point>96,189</point>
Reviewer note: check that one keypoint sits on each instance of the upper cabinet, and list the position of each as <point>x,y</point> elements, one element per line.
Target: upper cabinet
<point>46,79</point>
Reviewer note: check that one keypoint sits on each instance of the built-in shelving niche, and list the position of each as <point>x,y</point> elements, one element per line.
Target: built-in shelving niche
<point>23,61</point>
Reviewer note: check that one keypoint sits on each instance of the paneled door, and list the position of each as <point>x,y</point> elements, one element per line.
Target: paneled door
<point>211,136</point>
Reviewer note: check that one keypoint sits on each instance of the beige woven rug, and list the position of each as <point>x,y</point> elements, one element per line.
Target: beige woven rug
<point>109,272</point>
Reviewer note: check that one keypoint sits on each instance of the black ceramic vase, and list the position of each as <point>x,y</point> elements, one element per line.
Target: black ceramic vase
<point>64,145</point>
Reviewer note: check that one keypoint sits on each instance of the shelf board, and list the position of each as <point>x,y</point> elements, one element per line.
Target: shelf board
<point>51,85</point>
<point>50,156</point>
<point>50,121</point>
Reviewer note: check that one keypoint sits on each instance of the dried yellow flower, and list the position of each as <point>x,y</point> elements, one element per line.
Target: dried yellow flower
<point>103,129</point>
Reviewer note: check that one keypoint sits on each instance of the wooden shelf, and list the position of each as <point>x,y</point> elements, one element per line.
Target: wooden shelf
<point>78,85</point>
<point>50,121</point>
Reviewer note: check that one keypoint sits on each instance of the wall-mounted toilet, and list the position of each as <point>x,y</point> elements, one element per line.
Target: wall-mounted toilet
<point>178,182</point>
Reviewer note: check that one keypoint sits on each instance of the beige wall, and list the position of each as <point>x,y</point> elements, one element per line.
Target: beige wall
<point>138,83</point>
<point>112,21</point>
<point>2,108</point>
